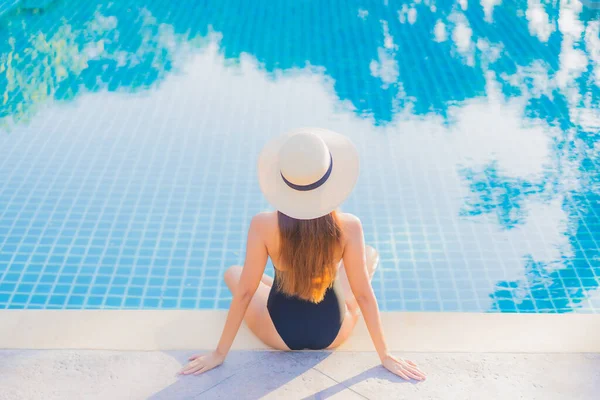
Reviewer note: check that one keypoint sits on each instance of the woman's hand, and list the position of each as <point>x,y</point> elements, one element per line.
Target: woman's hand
<point>202,363</point>
<point>405,369</point>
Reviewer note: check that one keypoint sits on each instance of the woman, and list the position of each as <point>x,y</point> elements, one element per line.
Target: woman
<point>322,267</point>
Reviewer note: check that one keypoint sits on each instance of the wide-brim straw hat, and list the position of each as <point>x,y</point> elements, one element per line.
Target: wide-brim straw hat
<point>308,172</point>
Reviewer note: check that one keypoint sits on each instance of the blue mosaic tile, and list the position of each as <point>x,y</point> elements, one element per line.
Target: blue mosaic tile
<point>129,135</point>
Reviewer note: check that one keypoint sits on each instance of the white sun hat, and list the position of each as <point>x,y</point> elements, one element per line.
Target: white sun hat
<point>308,172</point>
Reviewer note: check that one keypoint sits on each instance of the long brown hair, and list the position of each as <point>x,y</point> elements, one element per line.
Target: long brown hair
<point>307,250</point>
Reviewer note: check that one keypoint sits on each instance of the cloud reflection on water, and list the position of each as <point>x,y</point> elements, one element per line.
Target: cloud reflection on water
<point>479,189</point>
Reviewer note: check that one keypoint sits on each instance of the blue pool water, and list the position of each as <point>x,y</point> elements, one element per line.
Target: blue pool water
<point>129,132</point>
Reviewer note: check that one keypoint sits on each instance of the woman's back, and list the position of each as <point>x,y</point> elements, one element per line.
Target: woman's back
<point>272,239</point>
<point>305,323</point>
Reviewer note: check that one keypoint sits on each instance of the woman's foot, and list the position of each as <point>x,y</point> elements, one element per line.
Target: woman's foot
<point>372,262</point>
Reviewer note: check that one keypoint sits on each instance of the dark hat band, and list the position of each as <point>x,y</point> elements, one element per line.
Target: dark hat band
<point>312,186</point>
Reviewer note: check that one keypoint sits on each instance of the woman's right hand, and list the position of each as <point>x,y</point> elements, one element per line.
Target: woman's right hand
<point>201,363</point>
<point>405,369</point>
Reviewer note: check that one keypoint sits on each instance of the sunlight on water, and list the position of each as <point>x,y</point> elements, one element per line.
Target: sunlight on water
<point>130,135</point>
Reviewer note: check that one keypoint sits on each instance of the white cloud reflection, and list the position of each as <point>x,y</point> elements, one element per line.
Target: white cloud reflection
<point>539,22</point>
<point>493,129</point>
<point>488,9</point>
<point>461,35</point>
<point>412,15</point>
<point>568,19</point>
<point>439,31</point>
<point>386,66</point>
<point>221,104</point>
<point>592,44</point>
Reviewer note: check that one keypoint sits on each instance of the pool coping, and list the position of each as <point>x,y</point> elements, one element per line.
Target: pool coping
<point>201,329</point>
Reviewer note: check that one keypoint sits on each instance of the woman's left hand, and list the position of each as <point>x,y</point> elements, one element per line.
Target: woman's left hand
<point>405,369</point>
<point>202,363</point>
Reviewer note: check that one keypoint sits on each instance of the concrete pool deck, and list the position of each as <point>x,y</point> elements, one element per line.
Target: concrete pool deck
<point>102,374</point>
<point>135,354</point>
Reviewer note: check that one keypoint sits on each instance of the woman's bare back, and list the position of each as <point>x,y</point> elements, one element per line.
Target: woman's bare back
<point>272,238</point>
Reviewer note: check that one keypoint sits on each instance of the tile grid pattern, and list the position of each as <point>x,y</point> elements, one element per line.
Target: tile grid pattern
<point>147,209</point>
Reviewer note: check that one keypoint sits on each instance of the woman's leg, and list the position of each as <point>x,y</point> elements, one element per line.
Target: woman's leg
<point>267,280</point>
<point>257,316</point>
<point>352,309</point>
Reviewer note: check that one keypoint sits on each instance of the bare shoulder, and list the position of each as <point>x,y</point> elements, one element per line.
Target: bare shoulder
<point>348,220</point>
<point>264,222</point>
<point>351,225</point>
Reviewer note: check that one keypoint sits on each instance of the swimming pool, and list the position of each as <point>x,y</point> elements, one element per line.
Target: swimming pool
<point>129,133</point>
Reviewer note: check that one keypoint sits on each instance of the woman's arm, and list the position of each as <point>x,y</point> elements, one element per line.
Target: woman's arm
<point>355,264</point>
<point>254,267</point>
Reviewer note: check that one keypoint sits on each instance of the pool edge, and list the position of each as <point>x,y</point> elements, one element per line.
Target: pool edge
<point>200,329</point>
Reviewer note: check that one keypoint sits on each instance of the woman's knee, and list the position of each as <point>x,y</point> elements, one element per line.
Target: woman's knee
<point>370,251</point>
<point>371,255</point>
<point>232,273</point>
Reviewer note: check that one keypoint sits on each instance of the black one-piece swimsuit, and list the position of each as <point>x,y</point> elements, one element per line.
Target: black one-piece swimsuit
<point>306,325</point>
